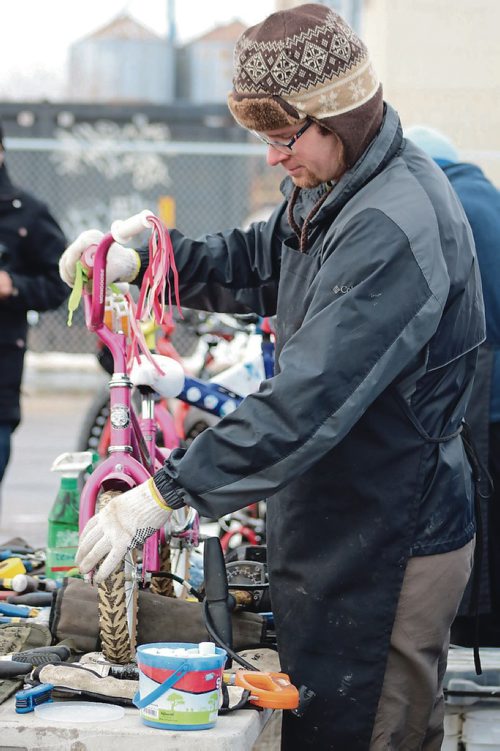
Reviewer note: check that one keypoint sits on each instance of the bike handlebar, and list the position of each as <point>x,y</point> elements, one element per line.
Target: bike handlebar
<point>94,260</point>
<point>123,230</point>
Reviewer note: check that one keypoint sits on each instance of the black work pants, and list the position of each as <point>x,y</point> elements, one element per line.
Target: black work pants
<point>463,629</point>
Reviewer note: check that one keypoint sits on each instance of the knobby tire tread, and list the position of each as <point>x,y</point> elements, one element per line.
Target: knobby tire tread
<point>117,644</point>
<point>161,585</point>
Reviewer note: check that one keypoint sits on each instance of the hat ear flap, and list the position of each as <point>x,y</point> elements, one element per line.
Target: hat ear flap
<point>262,112</point>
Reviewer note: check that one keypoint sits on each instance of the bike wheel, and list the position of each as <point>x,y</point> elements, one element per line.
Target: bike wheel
<point>94,424</point>
<point>162,585</point>
<point>195,422</point>
<point>118,605</point>
<point>181,563</point>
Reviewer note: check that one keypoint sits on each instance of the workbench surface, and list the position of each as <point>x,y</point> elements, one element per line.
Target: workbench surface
<point>237,731</point>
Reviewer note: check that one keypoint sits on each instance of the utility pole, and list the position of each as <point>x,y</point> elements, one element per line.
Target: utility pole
<point>171,23</point>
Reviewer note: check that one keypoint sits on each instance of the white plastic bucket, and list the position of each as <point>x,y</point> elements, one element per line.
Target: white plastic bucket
<point>452,730</point>
<point>179,685</point>
<point>481,730</point>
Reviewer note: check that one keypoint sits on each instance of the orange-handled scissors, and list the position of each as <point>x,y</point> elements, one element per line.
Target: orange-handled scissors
<point>267,690</point>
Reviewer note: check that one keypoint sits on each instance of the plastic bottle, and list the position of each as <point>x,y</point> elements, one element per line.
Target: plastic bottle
<point>62,541</point>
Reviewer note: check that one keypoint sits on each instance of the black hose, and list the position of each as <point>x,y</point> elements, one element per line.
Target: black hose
<point>180,580</point>
<point>215,636</point>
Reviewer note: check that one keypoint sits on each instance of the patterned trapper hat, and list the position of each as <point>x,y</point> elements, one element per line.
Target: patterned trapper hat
<point>306,62</point>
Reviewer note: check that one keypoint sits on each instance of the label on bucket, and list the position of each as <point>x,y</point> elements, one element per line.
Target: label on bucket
<point>191,701</point>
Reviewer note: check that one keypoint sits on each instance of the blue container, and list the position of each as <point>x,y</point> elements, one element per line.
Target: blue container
<point>179,692</point>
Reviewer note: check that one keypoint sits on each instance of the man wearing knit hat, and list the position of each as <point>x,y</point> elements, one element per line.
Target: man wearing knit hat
<point>369,266</point>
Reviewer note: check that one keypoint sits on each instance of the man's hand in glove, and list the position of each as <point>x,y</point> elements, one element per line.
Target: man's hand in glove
<point>124,523</point>
<point>122,264</point>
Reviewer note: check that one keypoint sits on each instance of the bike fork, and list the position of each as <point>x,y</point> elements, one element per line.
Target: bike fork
<point>151,550</point>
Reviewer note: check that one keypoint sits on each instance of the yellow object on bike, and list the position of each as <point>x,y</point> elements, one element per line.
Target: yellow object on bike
<point>81,278</point>
<point>116,312</point>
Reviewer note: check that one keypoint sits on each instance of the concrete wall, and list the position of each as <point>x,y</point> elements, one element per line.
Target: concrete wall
<point>439,61</point>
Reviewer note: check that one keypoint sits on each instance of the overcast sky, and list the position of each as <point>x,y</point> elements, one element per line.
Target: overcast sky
<point>35,34</point>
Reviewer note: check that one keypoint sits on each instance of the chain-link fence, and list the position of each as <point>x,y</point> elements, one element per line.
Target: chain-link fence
<point>197,187</point>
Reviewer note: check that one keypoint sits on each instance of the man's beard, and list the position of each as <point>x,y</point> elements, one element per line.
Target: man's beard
<point>308,180</point>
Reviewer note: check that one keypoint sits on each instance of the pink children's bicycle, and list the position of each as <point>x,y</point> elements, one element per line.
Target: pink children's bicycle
<point>133,455</point>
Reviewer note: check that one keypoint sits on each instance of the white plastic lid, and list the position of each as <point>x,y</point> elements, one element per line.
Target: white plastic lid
<point>204,649</point>
<point>207,648</point>
<point>79,711</point>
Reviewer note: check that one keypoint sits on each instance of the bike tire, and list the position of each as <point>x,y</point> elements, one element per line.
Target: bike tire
<point>161,585</point>
<point>94,423</point>
<point>195,422</point>
<point>118,605</point>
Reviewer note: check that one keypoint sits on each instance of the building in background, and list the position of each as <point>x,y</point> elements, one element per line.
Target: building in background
<point>438,60</point>
<point>351,10</point>
<point>122,62</point>
<point>125,62</point>
<point>206,65</point>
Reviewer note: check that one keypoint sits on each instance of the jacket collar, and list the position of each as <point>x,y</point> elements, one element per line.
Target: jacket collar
<point>381,150</point>
<point>7,189</point>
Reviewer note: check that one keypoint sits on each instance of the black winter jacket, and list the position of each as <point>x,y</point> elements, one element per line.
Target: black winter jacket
<point>31,243</point>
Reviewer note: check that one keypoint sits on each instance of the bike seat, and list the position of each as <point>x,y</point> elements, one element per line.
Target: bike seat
<point>168,381</point>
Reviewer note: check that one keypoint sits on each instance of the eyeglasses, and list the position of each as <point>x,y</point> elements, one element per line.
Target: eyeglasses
<point>285,148</point>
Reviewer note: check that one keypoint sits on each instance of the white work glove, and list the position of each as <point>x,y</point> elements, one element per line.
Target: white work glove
<point>122,264</point>
<point>124,523</point>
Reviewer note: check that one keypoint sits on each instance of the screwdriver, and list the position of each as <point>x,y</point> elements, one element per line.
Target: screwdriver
<point>35,599</point>
<point>22,611</point>
<point>24,584</point>
<point>12,669</point>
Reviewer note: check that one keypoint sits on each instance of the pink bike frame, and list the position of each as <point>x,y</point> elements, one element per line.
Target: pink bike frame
<point>133,454</point>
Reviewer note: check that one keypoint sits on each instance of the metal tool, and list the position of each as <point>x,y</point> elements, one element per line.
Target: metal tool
<point>218,601</point>
<point>27,700</point>
<point>20,611</point>
<point>13,669</point>
<point>18,549</point>
<point>35,599</point>
<point>24,584</point>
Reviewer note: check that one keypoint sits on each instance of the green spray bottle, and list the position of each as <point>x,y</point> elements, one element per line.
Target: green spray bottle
<point>62,541</point>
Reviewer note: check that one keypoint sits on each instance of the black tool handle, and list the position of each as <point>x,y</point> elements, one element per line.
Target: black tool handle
<point>10,669</point>
<point>36,658</point>
<point>123,672</point>
<point>216,590</point>
<point>35,599</point>
<point>60,650</point>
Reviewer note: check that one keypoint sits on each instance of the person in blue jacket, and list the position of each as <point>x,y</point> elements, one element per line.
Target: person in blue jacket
<point>481,202</point>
